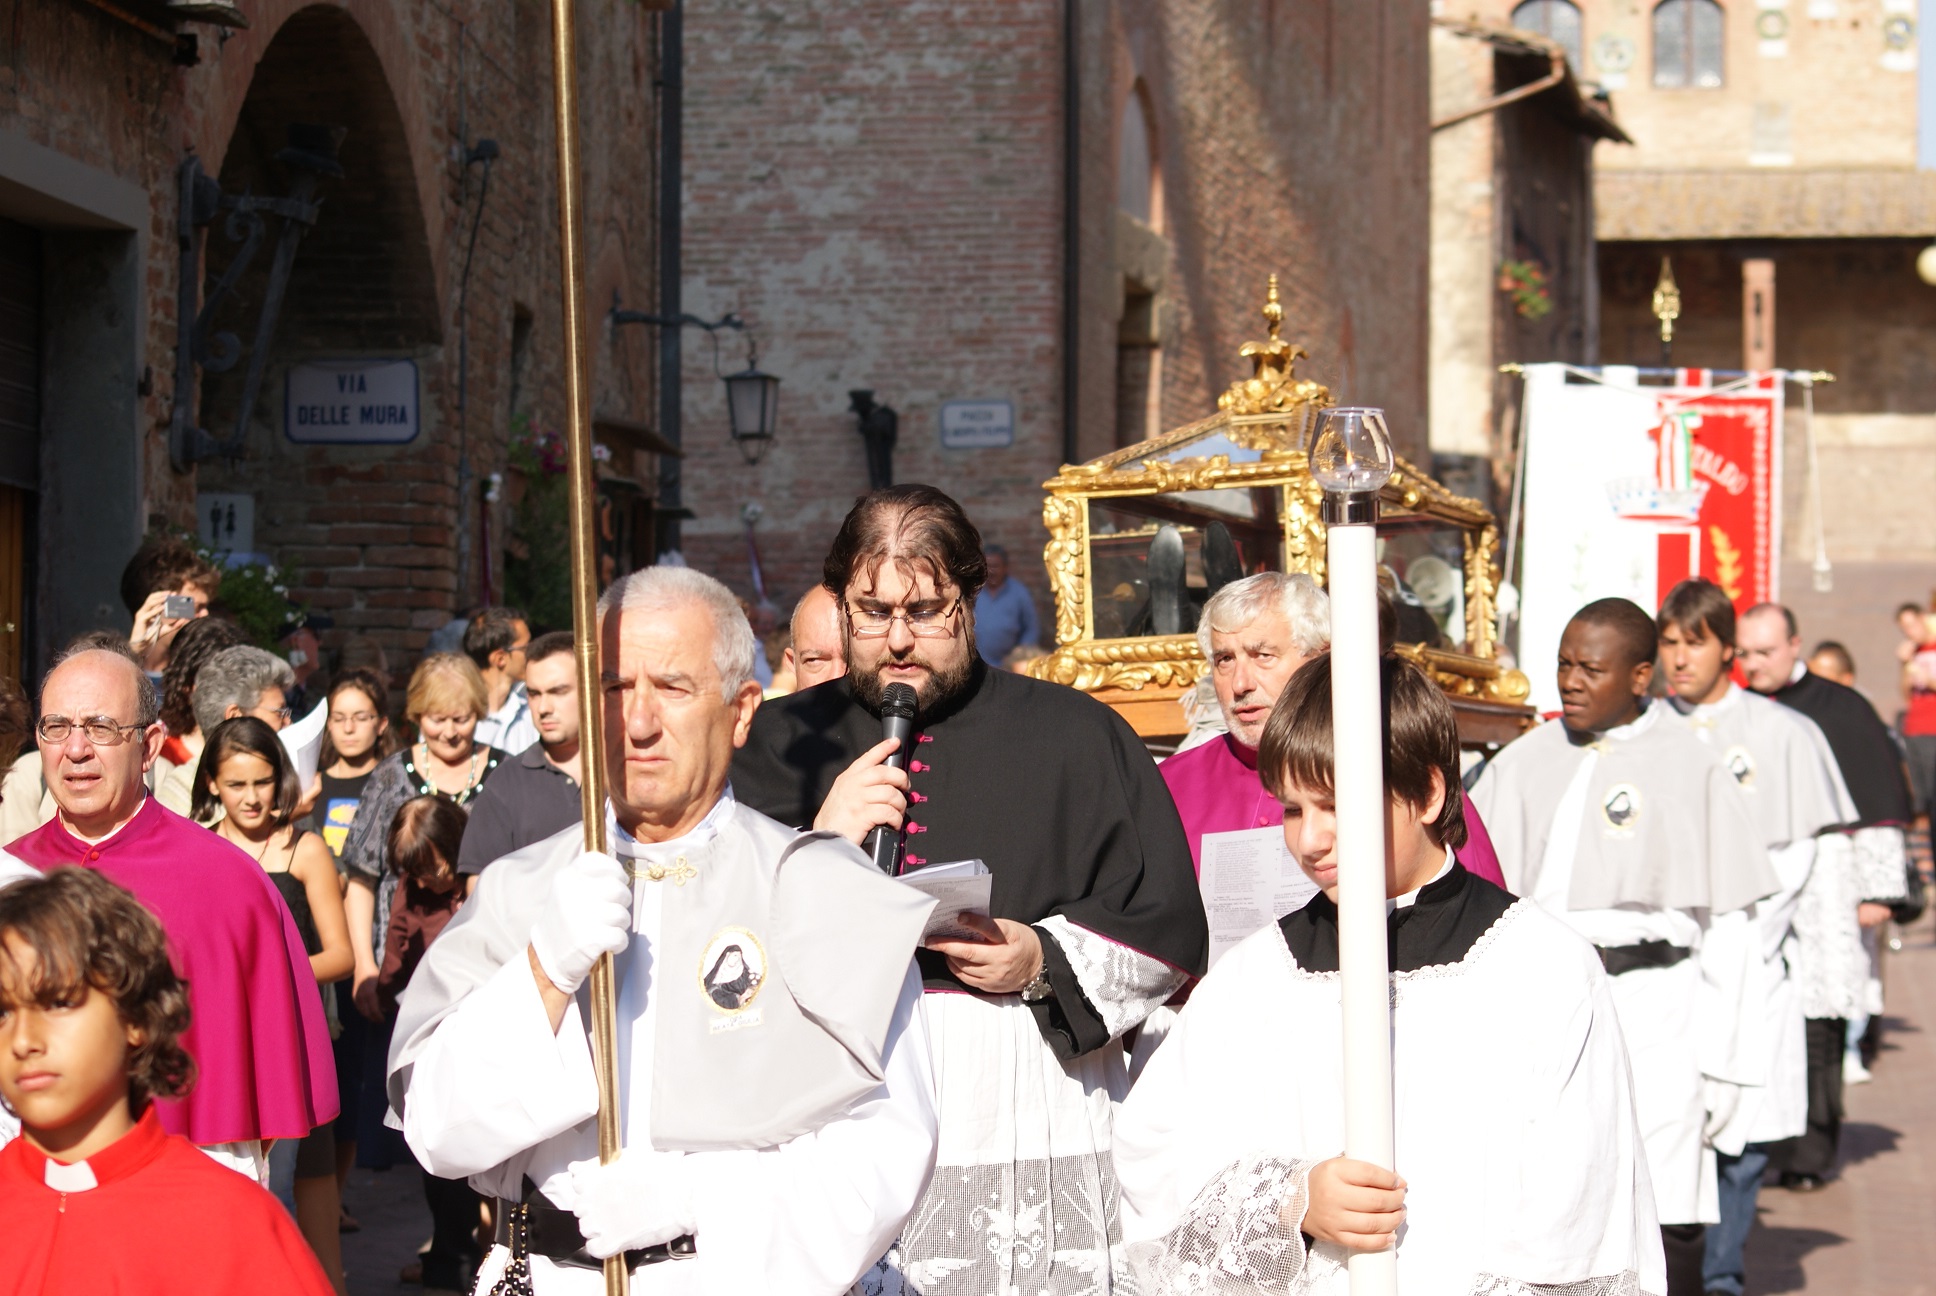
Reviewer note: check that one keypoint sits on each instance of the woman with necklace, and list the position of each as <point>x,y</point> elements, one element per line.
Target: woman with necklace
<point>246,776</point>
<point>445,700</point>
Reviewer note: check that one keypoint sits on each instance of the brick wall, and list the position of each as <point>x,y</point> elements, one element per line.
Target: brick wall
<point>878,187</point>
<point>373,531</point>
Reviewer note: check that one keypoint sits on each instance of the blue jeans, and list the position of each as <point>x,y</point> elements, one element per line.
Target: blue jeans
<point>1722,1270</point>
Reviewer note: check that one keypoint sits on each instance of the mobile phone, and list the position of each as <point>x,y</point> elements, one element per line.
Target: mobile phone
<point>179,607</point>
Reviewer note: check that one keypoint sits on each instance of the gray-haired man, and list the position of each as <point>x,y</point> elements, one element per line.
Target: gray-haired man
<point>1255,633</point>
<point>772,1067</point>
<point>243,681</point>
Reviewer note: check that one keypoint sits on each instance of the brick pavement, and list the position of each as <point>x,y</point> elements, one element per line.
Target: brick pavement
<point>1870,1232</point>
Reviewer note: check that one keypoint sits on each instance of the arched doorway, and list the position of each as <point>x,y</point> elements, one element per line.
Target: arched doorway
<point>362,295</point>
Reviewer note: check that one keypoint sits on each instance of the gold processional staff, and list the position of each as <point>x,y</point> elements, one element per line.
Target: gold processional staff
<point>584,583</point>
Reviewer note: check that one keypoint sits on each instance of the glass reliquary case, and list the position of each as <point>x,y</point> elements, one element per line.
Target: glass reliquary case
<point>1141,537</point>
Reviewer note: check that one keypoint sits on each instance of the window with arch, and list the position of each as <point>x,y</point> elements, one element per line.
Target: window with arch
<point>1688,39</point>
<point>1136,160</point>
<point>1557,20</point>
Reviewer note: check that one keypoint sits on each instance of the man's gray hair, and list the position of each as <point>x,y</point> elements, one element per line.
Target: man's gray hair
<point>237,677</point>
<point>660,589</point>
<point>1306,607</point>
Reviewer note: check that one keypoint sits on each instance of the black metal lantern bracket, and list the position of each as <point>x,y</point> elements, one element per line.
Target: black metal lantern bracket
<point>752,397</point>
<point>311,154</point>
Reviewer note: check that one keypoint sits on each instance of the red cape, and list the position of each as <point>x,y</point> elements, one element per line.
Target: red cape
<point>163,1220</point>
<point>263,1063</point>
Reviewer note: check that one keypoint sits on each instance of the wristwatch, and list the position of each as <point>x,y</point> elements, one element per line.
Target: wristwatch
<point>1039,989</point>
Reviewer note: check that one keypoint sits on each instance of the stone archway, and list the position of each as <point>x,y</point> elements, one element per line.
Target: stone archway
<point>367,528</point>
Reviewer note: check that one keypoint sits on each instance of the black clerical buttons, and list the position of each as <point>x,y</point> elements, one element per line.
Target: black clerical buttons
<point>732,971</point>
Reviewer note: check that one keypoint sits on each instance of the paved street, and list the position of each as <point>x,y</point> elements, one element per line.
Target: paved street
<point>1872,1231</point>
<point>395,1222</point>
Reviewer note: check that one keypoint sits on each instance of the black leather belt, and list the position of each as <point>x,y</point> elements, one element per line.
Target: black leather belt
<point>1619,959</point>
<point>554,1234</point>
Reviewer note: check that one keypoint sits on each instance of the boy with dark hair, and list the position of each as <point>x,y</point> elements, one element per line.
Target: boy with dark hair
<point>1627,828</point>
<point>1520,1161</point>
<point>96,1196</point>
<point>1782,764</point>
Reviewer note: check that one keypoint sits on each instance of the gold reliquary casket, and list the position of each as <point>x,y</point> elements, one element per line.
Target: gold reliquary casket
<point>1140,538</point>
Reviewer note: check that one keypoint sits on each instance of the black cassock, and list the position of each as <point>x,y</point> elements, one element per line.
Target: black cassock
<point>1048,787</point>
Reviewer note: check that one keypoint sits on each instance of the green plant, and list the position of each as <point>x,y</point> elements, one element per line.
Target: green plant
<point>537,563</point>
<point>1526,283</point>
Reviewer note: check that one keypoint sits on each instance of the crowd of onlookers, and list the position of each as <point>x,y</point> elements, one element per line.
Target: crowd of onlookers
<point>407,805</point>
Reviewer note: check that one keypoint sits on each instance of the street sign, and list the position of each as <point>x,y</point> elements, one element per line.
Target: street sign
<point>977,424</point>
<point>351,402</point>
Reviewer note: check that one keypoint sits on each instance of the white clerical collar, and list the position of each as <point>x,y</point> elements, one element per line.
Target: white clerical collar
<point>1708,710</point>
<point>1799,669</point>
<point>78,1177</point>
<point>626,846</point>
<point>110,834</point>
<point>1394,903</point>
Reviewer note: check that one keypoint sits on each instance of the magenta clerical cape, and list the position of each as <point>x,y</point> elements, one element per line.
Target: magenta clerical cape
<point>1216,789</point>
<point>262,1054</point>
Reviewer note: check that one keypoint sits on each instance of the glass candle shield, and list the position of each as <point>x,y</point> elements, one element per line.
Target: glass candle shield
<point>1351,450</point>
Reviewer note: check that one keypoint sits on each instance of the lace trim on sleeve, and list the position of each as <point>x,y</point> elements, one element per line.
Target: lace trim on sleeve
<point>1122,985</point>
<point>1621,1284</point>
<point>1881,864</point>
<point>1232,1241</point>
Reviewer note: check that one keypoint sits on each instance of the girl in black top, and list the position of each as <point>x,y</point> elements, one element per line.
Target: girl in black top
<point>246,775</point>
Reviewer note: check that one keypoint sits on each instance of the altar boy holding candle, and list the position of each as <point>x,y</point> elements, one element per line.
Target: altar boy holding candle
<point>1519,1162</point>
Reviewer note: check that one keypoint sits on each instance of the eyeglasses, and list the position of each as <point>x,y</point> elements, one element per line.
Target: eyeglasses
<point>100,730</point>
<point>353,717</point>
<point>876,623</point>
<point>284,714</point>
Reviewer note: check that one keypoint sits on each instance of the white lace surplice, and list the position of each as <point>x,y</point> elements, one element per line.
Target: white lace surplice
<point>1835,967</point>
<point>1514,1123</point>
<point>1024,1196</point>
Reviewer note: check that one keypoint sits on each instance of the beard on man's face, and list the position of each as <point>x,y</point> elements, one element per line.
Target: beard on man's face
<point>945,681</point>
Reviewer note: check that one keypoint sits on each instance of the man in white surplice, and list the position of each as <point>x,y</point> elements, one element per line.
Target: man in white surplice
<point>1781,762</point>
<point>778,1104</point>
<point>1519,1162</point>
<point>1622,824</point>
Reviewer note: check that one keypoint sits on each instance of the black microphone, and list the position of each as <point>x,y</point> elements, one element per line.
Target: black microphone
<point>897,721</point>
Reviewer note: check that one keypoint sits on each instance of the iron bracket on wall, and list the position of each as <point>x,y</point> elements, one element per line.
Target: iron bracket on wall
<point>311,154</point>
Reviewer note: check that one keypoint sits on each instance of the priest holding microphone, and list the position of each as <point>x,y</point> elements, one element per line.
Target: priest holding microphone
<point>1095,918</point>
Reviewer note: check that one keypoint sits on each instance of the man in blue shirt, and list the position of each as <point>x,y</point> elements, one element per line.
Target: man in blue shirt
<point>1004,611</point>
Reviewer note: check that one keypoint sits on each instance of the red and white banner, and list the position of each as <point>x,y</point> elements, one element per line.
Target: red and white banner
<point>1632,489</point>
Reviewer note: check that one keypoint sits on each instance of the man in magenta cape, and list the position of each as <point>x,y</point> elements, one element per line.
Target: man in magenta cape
<point>1256,633</point>
<point>261,1047</point>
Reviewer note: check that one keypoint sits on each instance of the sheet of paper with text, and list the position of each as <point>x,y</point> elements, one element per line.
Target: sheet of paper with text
<point>1249,880</point>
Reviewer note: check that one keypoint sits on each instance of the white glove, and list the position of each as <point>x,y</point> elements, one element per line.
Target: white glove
<point>589,914</point>
<point>639,1200</point>
<point>1722,1100</point>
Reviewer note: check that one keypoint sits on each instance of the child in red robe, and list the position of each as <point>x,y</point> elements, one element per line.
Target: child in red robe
<point>97,1197</point>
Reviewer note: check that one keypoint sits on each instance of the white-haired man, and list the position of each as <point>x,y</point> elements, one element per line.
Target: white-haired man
<point>773,1074</point>
<point>1256,633</point>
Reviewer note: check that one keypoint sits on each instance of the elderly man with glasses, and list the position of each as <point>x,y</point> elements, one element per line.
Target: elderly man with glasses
<point>1095,918</point>
<point>257,1033</point>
